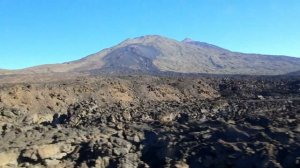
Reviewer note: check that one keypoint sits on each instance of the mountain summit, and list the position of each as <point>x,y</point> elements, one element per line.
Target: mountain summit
<point>160,54</point>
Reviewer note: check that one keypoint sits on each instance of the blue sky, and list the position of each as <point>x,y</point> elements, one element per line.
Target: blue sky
<point>34,32</point>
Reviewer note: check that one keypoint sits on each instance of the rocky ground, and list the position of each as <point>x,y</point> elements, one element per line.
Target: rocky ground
<point>145,121</point>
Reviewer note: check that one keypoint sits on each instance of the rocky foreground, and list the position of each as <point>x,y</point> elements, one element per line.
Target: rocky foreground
<point>154,122</point>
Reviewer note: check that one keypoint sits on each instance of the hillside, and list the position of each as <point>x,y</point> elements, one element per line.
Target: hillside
<point>296,73</point>
<point>160,54</point>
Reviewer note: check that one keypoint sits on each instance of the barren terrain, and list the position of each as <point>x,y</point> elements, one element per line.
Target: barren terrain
<point>151,121</point>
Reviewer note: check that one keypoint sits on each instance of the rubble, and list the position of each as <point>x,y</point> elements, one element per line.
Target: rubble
<point>230,130</point>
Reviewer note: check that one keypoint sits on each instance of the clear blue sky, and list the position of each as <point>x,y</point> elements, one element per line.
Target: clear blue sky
<point>36,32</point>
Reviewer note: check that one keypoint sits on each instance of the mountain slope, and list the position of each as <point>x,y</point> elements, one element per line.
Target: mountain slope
<point>4,71</point>
<point>296,73</point>
<point>156,53</point>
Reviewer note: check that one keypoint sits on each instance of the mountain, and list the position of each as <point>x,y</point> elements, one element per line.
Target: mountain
<point>3,71</point>
<point>160,54</point>
<point>296,73</point>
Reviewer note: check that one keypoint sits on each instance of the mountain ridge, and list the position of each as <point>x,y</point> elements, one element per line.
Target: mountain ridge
<point>162,54</point>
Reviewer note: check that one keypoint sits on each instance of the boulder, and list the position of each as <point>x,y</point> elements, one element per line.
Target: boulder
<point>167,117</point>
<point>52,151</point>
<point>130,160</point>
<point>30,154</point>
<point>121,146</point>
<point>181,164</point>
<point>47,151</point>
<point>52,162</point>
<point>102,162</point>
<point>9,158</point>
